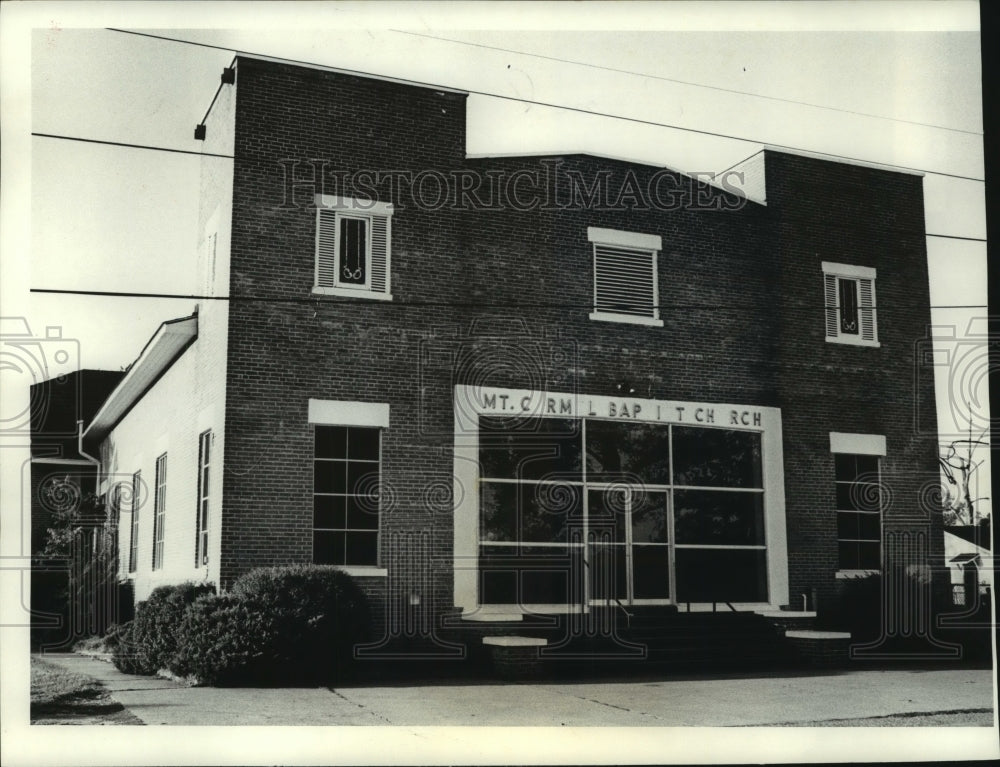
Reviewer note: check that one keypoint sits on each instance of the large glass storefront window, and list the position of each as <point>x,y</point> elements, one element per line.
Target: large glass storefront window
<point>599,511</point>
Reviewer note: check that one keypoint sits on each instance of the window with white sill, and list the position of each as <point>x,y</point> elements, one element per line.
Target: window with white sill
<point>849,299</point>
<point>625,276</point>
<point>346,490</point>
<point>353,247</point>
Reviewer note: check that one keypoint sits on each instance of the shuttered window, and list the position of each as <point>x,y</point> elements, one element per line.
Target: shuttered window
<point>625,276</point>
<point>849,301</point>
<point>353,239</point>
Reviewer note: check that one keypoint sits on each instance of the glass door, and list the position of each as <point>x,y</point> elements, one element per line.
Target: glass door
<point>627,546</point>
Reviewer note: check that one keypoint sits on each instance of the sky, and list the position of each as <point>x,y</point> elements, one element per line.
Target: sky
<point>893,83</point>
<point>877,84</point>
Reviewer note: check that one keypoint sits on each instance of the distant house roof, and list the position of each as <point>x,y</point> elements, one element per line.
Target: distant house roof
<point>57,404</point>
<point>967,557</point>
<point>978,535</point>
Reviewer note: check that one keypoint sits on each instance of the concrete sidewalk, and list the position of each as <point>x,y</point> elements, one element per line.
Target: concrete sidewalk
<point>664,702</point>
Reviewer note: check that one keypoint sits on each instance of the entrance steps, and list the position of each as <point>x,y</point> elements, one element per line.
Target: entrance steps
<point>613,641</point>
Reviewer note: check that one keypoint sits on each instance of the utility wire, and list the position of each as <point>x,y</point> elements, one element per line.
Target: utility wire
<point>578,110</point>
<point>784,219</point>
<point>230,157</point>
<point>956,237</point>
<point>315,300</point>
<point>132,146</point>
<point>685,82</point>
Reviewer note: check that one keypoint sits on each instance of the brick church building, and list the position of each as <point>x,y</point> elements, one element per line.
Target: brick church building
<point>498,388</point>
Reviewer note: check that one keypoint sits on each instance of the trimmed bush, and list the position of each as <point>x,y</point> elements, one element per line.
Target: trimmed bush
<point>859,604</point>
<point>150,642</point>
<point>125,656</point>
<point>857,608</point>
<point>311,615</point>
<point>283,625</point>
<point>224,641</point>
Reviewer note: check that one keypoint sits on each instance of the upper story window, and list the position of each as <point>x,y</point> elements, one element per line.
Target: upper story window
<point>625,276</point>
<point>353,245</point>
<point>849,293</point>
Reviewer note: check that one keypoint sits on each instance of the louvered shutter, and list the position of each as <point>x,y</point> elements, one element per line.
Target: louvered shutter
<point>866,308</point>
<point>624,281</point>
<point>830,301</point>
<point>380,254</point>
<point>326,249</point>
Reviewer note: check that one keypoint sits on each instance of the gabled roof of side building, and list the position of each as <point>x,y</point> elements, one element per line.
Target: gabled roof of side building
<point>160,352</point>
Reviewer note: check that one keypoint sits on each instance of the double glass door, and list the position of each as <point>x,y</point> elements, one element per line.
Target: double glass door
<point>628,551</point>
<point>575,513</point>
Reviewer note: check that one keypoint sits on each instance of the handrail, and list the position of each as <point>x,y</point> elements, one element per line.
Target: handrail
<point>727,604</point>
<point>628,615</point>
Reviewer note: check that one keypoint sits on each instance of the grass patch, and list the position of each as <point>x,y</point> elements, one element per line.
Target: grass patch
<point>93,644</point>
<point>62,697</point>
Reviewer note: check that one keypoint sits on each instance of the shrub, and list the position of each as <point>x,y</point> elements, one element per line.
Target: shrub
<point>857,608</point>
<point>151,640</point>
<point>223,640</point>
<point>125,656</point>
<point>859,604</point>
<point>284,625</point>
<point>312,616</point>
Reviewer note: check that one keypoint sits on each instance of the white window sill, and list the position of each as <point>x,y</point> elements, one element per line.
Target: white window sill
<point>351,293</point>
<point>841,575</point>
<point>851,341</point>
<point>363,571</point>
<point>511,613</point>
<point>628,319</point>
<point>488,617</point>
<point>722,607</point>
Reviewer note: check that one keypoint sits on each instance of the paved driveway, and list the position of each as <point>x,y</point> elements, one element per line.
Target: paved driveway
<point>833,698</point>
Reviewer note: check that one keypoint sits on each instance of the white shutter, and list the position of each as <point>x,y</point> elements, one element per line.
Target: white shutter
<point>866,308</point>
<point>326,248</point>
<point>624,281</point>
<point>379,279</point>
<point>830,302</point>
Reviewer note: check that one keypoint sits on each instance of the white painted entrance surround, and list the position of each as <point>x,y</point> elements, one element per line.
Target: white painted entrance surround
<point>472,401</point>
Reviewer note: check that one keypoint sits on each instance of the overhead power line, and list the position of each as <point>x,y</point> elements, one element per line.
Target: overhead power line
<point>686,82</point>
<point>230,157</point>
<point>382,305</point>
<point>131,146</point>
<point>577,110</point>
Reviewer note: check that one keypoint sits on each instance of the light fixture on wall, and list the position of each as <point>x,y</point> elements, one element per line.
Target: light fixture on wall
<point>625,387</point>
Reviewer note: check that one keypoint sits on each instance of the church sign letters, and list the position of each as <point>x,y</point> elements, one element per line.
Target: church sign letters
<point>516,402</point>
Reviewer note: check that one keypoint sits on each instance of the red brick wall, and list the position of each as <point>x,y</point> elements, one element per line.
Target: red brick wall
<point>502,298</point>
<point>824,211</point>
